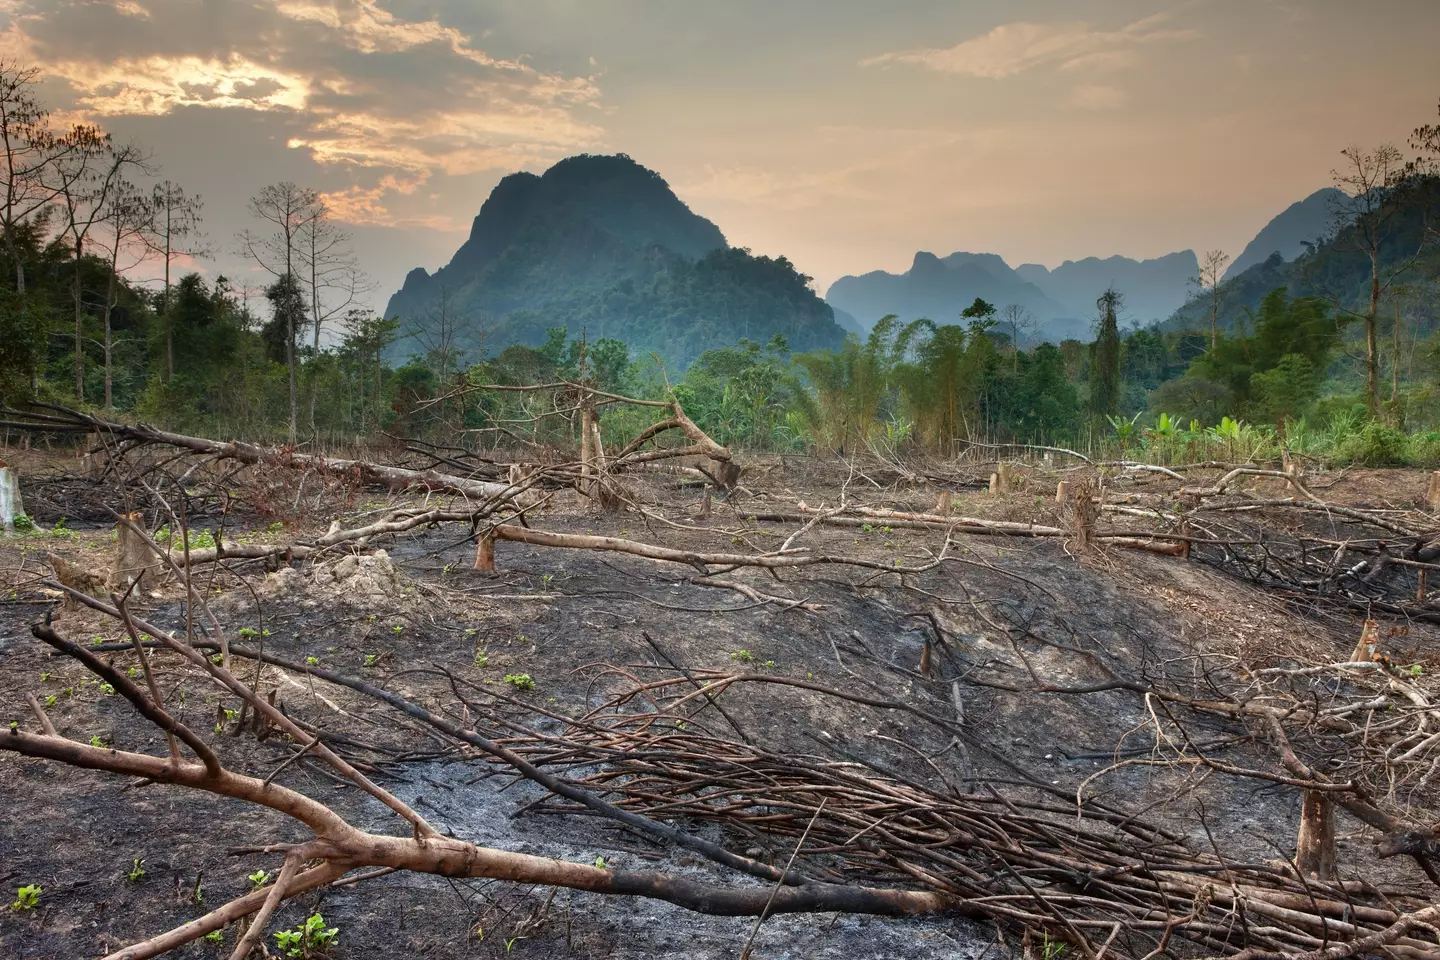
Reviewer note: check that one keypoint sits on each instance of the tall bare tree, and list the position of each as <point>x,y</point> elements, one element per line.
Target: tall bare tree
<point>36,165</point>
<point>128,219</point>
<point>287,208</point>
<point>175,226</point>
<point>89,180</point>
<point>1210,288</point>
<point>332,272</point>
<point>1368,219</point>
<point>1021,323</point>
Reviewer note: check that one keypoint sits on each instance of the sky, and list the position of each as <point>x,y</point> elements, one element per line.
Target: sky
<point>843,134</point>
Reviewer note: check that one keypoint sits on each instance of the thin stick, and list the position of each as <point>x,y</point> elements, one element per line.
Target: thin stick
<point>745,952</point>
<point>267,909</point>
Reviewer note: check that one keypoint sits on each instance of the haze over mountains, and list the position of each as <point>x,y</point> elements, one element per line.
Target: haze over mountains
<point>1062,300</point>
<point>601,244</point>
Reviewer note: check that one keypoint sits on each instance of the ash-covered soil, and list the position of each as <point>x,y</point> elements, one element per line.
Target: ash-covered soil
<point>1011,607</point>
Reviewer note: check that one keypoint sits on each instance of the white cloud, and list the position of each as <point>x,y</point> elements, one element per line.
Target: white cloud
<point>1013,48</point>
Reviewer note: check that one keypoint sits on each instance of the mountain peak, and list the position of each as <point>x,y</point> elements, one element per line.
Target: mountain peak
<point>602,243</point>
<point>1289,232</point>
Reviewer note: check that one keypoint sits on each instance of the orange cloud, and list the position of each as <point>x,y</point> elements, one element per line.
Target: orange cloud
<point>1013,48</point>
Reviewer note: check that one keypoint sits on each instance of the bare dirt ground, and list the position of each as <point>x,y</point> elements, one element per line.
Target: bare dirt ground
<point>1014,609</point>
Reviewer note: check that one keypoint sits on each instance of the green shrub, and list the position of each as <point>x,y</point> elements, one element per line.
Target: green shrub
<point>1425,449</point>
<point>1374,445</point>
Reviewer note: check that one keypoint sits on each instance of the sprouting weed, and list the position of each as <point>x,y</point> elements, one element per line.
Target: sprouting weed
<point>313,661</point>
<point>310,938</point>
<point>27,897</point>
<point>95,741</point>
<point>215,936</point>
<point>137,870</point>
<point>743,656</point>
<point>258,879</point>
<point>482,658</point>
<point>520,681</point>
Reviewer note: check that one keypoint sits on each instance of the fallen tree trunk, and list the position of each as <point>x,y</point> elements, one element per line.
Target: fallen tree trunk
<point>364,471</point>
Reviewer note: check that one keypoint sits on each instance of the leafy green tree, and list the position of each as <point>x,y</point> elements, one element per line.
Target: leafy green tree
<point>23,326</point>
<point>1105,357</point>
<point>281,333</point>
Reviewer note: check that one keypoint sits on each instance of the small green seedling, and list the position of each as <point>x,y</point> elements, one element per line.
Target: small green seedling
<point>520,681</point>
<point>313,661</point>
<point>307,940</point>
<point>137,870</point>
<point>258,879</point>
<point>482,658</point>
<point>95,741</point>
<point>215,936</point>
<point>371,659</point>
<point>27,897</point>
<point>106,688</point>
<point>51,700</point>
<point>600,862</point>
<point>743,656</point>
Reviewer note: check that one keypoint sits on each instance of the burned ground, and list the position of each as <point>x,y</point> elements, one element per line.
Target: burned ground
<point>998,612</point>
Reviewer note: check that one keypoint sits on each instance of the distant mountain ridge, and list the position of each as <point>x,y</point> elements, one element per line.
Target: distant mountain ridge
<point>1308,256</point>
<point>1153,289</point>
<point>1291,232</point>
<point>1062,300</point>
<point>601,243</point>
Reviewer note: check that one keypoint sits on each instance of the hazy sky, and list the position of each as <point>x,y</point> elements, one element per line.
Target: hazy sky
<point>843,134</point>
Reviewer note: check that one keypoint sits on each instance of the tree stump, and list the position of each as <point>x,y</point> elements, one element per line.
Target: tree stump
<point>1062,492</point>
<point>133,556</point>
<point>1315,846</point>
<point>485,554</point>
<point>10,505</point>
<point>944,503</point>
<point>1432,495</point>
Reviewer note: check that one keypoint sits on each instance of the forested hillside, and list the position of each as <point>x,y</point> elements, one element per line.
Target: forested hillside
<point>601,244</point>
